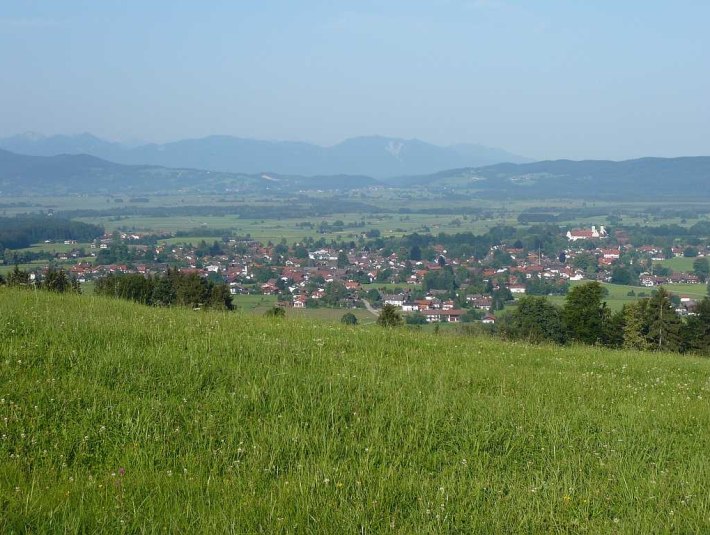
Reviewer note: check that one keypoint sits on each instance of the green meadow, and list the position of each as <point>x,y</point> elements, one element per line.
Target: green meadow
<point>115,417</point>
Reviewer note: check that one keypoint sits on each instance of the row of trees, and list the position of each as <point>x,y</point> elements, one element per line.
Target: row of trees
<point>21,231</point>
<point>53,280</point>
<point>647,324</point>
<point>173,288</point>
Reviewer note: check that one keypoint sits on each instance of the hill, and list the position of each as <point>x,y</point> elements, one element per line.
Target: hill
<point>371,156</point>
<point>645,178</point>
<point>81,173</point>
<point>117,417</point>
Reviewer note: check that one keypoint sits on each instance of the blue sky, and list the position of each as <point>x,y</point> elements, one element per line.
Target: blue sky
<point>545,79</point>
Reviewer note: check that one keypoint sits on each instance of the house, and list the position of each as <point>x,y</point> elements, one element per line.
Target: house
<point>488,319</point>
<point>396,299</point>
<point>451,316</point>
<point>583,234</point>
<point>481,302</point>
<point>410,306</point>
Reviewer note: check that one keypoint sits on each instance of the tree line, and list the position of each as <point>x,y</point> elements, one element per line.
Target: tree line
<point>22,231</point>
<point>171,289</point>
<point>648,324</point>
<point>53,280</point>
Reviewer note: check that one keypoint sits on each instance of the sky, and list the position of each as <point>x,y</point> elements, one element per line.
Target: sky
<point>601,79</point>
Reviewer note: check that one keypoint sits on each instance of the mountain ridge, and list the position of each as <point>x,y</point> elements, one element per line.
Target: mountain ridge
<point>375,156</point>
<point>83,173</point>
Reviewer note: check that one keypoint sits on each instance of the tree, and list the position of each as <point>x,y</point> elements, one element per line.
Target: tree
<point>585,314</point>
<point>163,291</point>
<point>349,319</point>
<point>701,267</point>
<point>343,261</point>
<point>220,297</point>
<point>663,322</point>
<point>690,252</point>
<point>535,320</point>
<point>58,281</point>
<point>335,292</point>
<point>18,277</point>
<point>586,261</point>
<point>389,316</point>
<point>635,325</point>
<point>191,290</point>
<point>416,318</point>
<point>696,334</point>
<point>621,275</point>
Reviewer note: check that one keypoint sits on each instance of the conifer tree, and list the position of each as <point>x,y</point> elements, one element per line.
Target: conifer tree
<point>635,325</point>
<point>663,323</point>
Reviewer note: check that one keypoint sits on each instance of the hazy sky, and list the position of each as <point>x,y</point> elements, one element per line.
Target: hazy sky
<point>546,79</point>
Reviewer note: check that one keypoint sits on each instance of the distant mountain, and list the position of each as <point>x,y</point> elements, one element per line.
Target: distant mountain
<point>35,144</point>
<point>70,173</point>
<point>644,178</point>
<point>371,156</point>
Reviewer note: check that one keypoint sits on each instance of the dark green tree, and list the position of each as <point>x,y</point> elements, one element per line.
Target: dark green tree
<point>18,277</point>
<point>389,316</point>
<point>663,323</point>
<point>349,319</point>
<point>57,280</point>
<point>585,313</point>
<point>220,298</point>
<point>343,261</point>
<point>696,334</point>
<point>701,267</point>
<point>535,320</point>
<point>164,293</point>
<point>416,318</point>
<point>191,290</point>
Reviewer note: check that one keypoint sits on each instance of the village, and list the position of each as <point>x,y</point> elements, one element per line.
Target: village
<point>434,288</point>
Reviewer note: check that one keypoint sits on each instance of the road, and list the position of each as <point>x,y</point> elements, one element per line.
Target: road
<point>369,308</point>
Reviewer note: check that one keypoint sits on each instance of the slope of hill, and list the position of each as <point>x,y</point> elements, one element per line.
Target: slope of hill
<point>121,418</point>
<point>68,173</point>
<point>687,177</point>
<point>372,156</point>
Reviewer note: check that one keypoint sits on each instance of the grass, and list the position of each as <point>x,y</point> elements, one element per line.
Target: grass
<point>120,418</point>
<point>678,264</point>
<point>618,294</point>
<point>259,304</point>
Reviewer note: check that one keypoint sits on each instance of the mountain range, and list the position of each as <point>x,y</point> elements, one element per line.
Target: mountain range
<point>22,174</point>
<point>378,157</point>
<point>639,179</point>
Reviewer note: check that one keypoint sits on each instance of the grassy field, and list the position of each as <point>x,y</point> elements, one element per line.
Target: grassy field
<point>259,304</point>
<point>679,263</point>
<point>618,294</point>
<point>120,418</point>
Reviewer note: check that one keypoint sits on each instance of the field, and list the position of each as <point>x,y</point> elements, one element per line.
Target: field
<point>120,418</point>
<point>458,215</point>
<point>679,263</point>
<point>618,294</point>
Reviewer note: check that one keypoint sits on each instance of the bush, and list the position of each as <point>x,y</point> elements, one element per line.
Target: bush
<point>389,316</point>
<point>349,319</point>
<point>275,312</point>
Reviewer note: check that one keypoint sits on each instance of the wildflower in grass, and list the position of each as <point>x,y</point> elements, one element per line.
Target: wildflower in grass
<point>121,471</point>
